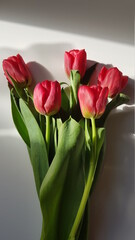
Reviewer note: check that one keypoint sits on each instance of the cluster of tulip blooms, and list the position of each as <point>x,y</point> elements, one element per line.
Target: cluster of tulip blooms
<point>64,130</point>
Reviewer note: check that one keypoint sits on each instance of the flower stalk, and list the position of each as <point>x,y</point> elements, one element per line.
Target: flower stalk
<point>92,169</point>
<point>75,81</point>
<point>47,137</point>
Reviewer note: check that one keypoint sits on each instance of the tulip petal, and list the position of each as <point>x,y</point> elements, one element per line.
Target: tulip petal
<point>87,100</point>
<point>47,97</point>
<point>39,98</point>
<point>75,60</point>
<point>74,52</point>
<point>17,69</point>
<point>12,68</point>
<point>114,76</point>
<point>23,68</point>
<point>80,62</point>
<point>13,58</point>
<point>68,61</point>
<point>102,74</point>
<point>53,102</point>
<point>102,101</point>
<point>92,100</point>
<point>124,81</point>
<point>113,79</point>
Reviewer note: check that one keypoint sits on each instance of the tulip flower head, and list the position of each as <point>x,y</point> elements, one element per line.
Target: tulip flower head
<point>92,100</point>
<point>47,97</point>
<point>17,69</point>
<point>113,79</point>
<point>75,60</point>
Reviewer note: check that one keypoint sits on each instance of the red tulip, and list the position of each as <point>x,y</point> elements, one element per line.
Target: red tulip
<point>92,100</point>
<point>75,60</point>
<point>47,97</point>
<point>17,69</point>
<point>113,79</point>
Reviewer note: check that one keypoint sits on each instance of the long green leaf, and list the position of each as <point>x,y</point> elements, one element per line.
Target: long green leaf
<point>63,185</point>
<point>37,151</point>
<point>65,101</point>
<point>18,120</point>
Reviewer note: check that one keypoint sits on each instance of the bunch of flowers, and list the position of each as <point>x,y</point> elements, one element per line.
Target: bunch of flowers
<point>63,128</point>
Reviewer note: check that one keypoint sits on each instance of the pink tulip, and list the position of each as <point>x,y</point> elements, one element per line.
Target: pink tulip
<point>75,60</point>
<point>92,100</point>
<point>17,69</point>
<point>47,97</point>
<point>113,79</point>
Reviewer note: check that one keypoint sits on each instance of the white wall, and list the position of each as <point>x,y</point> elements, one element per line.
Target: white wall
<point>112,20</point>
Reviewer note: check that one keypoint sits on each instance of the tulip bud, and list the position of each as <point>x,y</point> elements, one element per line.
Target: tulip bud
<point>92,100</point>
<point>113,79</point>
<point>47,97</point>
<point>16,68</point>
<point>75,60</point>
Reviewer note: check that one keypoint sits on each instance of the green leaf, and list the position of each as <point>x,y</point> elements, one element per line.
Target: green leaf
<point>18,120</point>
<point>64,83</point>
<point>67,91</point>
<point>75,81</point>
<point>64,101</point>
<point>63,185</point>
<point>37,151</point>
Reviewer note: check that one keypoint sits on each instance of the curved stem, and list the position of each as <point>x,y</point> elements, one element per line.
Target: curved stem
<point>94,137</point>
<point>87,132</point>
<point>42,233</point>
<point>75,81</point>
<point>55,135</point>
<point>47,137</point>
<point>88,184</point>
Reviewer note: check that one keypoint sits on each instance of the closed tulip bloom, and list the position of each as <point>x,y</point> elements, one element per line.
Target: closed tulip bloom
<point>47,97</point>
<point>75,60</point>
<point>17,69</point>
<point>92,100</point>
<point>113,79</point>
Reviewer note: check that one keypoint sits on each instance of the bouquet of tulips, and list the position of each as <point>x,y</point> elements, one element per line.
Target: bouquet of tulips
<point>63,127</point>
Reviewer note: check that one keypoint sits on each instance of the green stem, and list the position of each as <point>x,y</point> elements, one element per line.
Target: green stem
<point>42,233</point>
<point>94,137</point>
<point>55,135</point>
<point>75,81</point>
<point>47,132</point>
<point>86,131</point>
<point>83,231</point>
<point>88,185</point>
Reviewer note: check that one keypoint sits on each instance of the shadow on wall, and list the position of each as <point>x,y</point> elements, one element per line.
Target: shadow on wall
<point>110,20</point>
<point>19,207</point>
<point>112,208</point>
